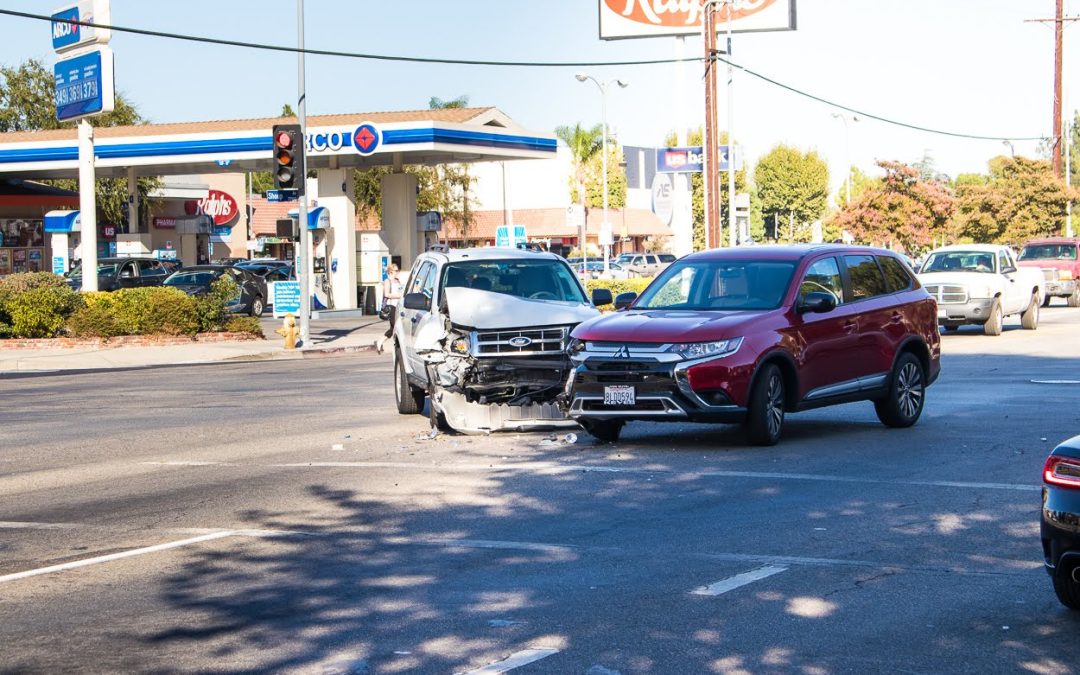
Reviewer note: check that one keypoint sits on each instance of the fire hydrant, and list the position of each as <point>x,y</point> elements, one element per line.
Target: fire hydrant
<point>289,331</point>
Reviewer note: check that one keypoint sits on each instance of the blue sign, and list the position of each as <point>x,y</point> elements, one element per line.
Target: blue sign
<point>220,233</point>
<point>366,138</point>
<point>678,160</point>
<point>508,237</point>
<point>65,33</point>
<point>68,35</point>
<point>84,85</point>
<point>282,195</point>
<point>286,298</point>
<point>63,222</point>
<point>59,264</point>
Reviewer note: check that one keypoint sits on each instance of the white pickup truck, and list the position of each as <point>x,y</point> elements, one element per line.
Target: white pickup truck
<point>982,284</point>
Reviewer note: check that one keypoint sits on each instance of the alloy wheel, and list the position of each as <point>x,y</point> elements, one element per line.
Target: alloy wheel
<point>909,389</point>
<point>774,410</point>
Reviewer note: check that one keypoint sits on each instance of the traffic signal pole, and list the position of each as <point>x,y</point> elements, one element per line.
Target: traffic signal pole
<point>304,255</point>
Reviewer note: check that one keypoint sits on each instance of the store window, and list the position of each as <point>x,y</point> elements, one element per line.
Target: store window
<point>22,245</point>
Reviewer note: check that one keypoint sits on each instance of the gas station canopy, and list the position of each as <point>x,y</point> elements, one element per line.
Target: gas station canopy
<point>365,140</point>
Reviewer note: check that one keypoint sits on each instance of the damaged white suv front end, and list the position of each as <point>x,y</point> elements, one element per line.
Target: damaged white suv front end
<point>483,334</point>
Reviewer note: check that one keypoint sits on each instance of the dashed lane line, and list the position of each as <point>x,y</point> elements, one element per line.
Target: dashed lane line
<point>551,468</point>
<point>739,580</point>
<point>515,660</point>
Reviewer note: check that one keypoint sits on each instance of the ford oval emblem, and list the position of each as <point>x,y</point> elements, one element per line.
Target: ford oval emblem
<point>520,341</point>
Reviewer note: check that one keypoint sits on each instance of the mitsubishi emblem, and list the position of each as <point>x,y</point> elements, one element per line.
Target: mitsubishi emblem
<point>622,352</point>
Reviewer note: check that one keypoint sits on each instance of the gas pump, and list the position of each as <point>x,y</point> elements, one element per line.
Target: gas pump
<point>322,241</point>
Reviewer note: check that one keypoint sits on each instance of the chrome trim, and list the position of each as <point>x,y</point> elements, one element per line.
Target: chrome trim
<point>543,341</point>
<point>868,383</point>
<point>873,381</point>
<point>950,294</point>
<point>682,379</point>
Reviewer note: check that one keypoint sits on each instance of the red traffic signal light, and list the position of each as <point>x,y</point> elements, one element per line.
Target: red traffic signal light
<point>288,158</point>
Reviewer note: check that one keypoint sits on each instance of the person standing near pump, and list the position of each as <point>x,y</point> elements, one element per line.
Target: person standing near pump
<point>391,293</point>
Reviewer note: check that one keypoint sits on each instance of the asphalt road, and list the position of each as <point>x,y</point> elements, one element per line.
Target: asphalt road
<point>281,516</point>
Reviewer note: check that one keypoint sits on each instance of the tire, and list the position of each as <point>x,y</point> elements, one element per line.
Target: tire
<point>995,323</point>
<point>1046,300</point>
<point>605,431</point>
<point>1074,299</point>
<point>437,419</point>
<point>951,327</point>
<point>1030,318</point>
<point>903,405</point>
<point>410,400</point>
<point>257,307</point>
<point>1067,590</point>
<point>765,413</point>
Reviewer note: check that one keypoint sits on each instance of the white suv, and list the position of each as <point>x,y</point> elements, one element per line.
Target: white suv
<point>483,333</point>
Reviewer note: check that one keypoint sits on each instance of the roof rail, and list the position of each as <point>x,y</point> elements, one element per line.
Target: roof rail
<point>439,248</point>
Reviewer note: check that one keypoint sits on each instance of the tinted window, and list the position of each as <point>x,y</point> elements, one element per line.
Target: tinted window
<point>823,277</point>
<point>152,268</point>
<point>896,275</point>
<point>533,279</point>
<point>959,261</point>
<point>865,275</point>
<point>1004,262</point>
<point>1049,252</point>
<point>719,285</point>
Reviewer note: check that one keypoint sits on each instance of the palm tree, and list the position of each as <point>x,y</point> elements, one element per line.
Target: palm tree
<point>455,178</point>
<point>584,144</point>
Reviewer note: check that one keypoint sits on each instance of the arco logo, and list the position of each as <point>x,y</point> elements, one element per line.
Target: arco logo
<point>681,13</point>
<point>366,138</point>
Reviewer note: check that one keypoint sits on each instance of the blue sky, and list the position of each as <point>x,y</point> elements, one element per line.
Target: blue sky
<point>970,66</point>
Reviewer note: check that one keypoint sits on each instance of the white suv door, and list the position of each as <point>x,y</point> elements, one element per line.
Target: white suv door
<point>1015,298</point>
<point>410,321</point>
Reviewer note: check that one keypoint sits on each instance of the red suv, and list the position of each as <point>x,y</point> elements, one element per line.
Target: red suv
<point>749,334</point>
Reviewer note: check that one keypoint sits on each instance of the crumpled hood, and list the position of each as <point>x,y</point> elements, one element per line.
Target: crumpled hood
<point>666,326</point>
<point>487,310</point>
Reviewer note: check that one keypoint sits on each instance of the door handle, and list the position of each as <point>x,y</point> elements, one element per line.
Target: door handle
<point>850,326</point>
<point>896,317</point>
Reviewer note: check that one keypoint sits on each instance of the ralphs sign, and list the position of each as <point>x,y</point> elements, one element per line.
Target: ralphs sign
<point>655,18</point>
<point>67,34</point>
<point>217,204</point>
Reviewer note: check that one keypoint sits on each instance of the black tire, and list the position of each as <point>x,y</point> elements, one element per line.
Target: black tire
<point>1074,299</point>
<point>410,399</point>
<point>904,403</point>
<point>765,413</point>
<point>1067,590</point>
<point>257,307</point>
<point>1046,300</point>
<point>996,322</point>
<point>951,327</point>
<point>605,431</point>
<point>1030,318</point>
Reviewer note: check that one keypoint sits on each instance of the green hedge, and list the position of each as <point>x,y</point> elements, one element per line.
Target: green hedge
<point>617,286</point>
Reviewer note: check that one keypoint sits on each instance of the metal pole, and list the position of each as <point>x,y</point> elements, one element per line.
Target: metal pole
<point>732,235</point>
<point>709,144</point>
<point>606,227</point>
<point>88,207</point>
<point>303,265</point>
<point>1059,28</point>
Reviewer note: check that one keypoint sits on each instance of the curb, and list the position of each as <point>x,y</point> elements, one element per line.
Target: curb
<point>293,355</point>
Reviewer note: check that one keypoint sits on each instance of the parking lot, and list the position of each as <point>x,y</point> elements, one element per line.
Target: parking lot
<point>282,516</point>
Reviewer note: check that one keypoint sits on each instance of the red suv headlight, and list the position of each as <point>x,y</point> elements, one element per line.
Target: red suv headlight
<point>1062,472</point>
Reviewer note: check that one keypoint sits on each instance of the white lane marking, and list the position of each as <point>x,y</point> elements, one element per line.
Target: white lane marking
<point>188,463</point>
<point>114,556</point>
<point>550,468</point>
<point>513,661</point>
<point>1056,381</point>
<point>731,583</point>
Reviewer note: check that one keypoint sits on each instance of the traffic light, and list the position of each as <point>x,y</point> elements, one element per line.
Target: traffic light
<point>288,158</point>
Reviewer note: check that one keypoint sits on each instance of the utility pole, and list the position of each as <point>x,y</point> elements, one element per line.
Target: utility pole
<point>1059,30</point>
<point>729,7</point>
<point>713,226</point>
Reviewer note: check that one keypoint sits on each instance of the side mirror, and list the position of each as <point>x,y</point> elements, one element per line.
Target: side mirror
<point>817,303</point>
<point>601,296</point>
<point>624,300</point>
<point>417,301</point>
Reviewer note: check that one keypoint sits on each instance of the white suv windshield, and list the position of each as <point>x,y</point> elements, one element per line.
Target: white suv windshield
<point>531,279</point>
<point>959,261</point>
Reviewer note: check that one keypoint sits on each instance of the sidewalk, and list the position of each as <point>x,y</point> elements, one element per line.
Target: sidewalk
<point>330,335</point>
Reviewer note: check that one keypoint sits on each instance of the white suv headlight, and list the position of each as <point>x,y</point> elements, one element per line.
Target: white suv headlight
<point>698,350</point>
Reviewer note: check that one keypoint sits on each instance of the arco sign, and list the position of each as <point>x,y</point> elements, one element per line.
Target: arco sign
<point>655,18</point>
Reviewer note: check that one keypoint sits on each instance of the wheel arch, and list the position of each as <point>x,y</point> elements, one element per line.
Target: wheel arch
<point>788,371</point>
<point>918,347</point>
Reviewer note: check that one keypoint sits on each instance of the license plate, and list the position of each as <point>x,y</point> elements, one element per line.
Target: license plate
<point>941,314</point>
<point>618,396</point>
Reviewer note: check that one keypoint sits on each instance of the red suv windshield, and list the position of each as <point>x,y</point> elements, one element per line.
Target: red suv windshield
<point>719,285</point>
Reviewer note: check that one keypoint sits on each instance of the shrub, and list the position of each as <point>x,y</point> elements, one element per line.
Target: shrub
<point>210,308</point>
<point>93,320</point>
<point>617,286</point>
<point>244,324</point>
<point>151,311</point>
<point>15,284</point>
<point>42,311</point>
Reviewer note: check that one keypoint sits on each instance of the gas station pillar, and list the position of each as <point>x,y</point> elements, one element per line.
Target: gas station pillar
<point>399,218</point>
<point>335,190</point>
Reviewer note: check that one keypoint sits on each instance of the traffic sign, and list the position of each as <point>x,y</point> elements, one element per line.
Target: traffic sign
<point>286,298</point>
<point>508,236</point>
<point>282,195</point>
<point>84,85</point>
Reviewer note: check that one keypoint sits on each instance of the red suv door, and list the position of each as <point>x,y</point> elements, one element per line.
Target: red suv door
<point>878,316</point>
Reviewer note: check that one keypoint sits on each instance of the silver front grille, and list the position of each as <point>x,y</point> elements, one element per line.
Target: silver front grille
<point>948,295</point>
<point>1049,274</point>
<point>525,342</point>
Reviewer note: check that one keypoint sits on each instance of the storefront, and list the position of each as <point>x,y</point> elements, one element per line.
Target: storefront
<point>23,205</point>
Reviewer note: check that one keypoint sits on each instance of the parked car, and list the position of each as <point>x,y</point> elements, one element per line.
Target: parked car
<point>596,270</point>
<point>747,335</point>
<point>1060,527</point>
<point>981,284</point>
<point>483,334</point>
<point>641,264</point>
<point>1059,262</point>
<point>197,280</point>
<point>117,273</point>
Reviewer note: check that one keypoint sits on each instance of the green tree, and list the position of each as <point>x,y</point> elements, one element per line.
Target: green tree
<point>1020,199</point>
<point>584,144</point>
<point>901,211</point>
<point>594,179</point>
<point>794,191</point>
<point>26,104</point>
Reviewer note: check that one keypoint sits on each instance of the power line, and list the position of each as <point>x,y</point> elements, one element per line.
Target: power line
<point>513,64</point>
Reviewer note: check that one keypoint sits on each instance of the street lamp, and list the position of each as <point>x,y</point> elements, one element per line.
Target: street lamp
<point>1012,150</point>
<point>581,77</point>
<point>847,154</point>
